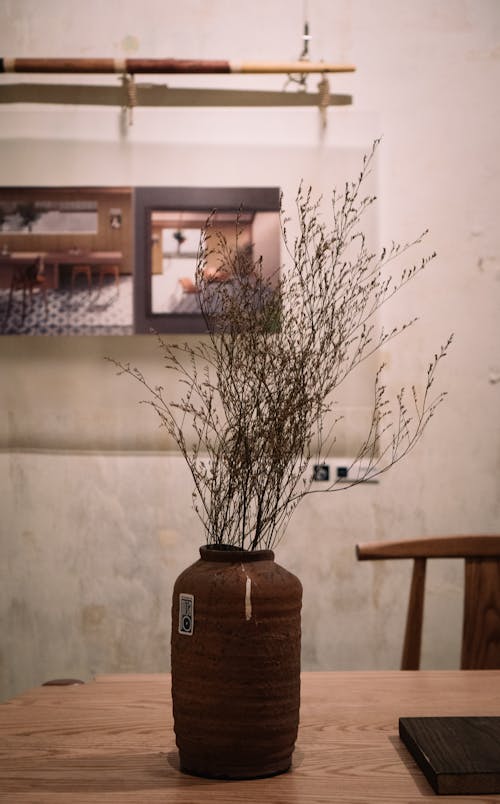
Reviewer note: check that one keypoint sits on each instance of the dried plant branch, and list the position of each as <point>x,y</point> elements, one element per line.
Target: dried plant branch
<point>258,389</point>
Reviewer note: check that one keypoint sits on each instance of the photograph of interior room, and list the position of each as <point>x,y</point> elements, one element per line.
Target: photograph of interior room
<point>96,508</point>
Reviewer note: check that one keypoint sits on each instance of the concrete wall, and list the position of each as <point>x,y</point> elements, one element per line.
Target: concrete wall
<point>95,520</point>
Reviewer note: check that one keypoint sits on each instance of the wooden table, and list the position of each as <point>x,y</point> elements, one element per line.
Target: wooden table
<point>51,262</point>
<point>111,740</point>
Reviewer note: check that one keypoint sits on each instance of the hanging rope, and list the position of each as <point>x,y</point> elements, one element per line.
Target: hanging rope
<point>131,99</point>
<point>323,98</point>
<point>301,78</point>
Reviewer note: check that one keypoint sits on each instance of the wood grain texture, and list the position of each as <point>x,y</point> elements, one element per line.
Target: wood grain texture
<point>432,547</point>
<point>481,627</point>
<point>459,755</point>
<point>112,741</point>
<point>413,633</point>
<point>105,239</point>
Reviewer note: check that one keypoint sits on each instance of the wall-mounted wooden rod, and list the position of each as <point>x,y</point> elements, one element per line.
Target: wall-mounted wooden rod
<point>132,66</point>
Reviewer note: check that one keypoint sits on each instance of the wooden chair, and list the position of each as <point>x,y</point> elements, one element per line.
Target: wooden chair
<point>81,270</point>
<point>481,623</point>
<point>109,270</point>
<point>28,278</point>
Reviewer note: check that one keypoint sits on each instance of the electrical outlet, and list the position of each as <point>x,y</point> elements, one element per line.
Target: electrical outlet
<point>321,472</point>
<point>342,470</point>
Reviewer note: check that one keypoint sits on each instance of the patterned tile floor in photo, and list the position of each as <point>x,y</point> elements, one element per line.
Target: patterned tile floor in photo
<point>98,311</point>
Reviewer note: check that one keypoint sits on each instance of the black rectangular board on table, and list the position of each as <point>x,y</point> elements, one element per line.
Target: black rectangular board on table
<point>458,755</point>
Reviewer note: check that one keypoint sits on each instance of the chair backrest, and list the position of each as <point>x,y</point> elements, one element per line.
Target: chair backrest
<point>481,623</point>
<point>28,274</point>
<point>34,271</point>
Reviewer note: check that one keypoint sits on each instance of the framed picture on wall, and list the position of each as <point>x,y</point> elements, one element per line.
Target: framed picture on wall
<point>65,268</point>
<point>120,260</point>
<point>169,225</point>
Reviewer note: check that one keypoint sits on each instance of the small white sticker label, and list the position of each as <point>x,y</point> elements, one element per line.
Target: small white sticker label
<point>186,614</point>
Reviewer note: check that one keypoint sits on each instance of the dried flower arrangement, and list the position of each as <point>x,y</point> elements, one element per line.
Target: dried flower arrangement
<point>259,386</point>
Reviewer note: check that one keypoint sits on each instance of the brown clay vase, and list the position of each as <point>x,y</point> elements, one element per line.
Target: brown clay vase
<point>236,664</point>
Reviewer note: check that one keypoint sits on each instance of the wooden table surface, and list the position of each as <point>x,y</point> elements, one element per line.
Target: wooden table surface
<point>111,740</point>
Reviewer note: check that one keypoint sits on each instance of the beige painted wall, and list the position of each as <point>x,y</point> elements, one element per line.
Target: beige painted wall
<point>95,522</point>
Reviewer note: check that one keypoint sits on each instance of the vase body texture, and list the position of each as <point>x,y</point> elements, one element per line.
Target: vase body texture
<point>236,664</point>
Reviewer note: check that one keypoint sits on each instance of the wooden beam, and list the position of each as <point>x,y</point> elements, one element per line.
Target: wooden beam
<point>158,95</point>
